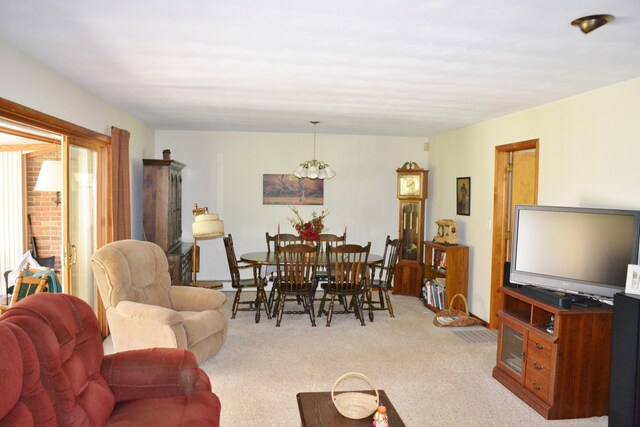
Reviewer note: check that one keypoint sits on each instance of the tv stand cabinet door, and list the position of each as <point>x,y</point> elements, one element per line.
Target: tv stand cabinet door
<point>512,349</point>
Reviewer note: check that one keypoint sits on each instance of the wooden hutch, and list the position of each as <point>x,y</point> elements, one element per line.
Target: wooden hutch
<point>162,204</point>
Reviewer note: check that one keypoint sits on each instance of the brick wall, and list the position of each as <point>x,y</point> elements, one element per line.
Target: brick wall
<point>46,217</point>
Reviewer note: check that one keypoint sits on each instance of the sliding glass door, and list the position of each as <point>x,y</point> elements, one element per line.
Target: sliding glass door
<point>80,234</point>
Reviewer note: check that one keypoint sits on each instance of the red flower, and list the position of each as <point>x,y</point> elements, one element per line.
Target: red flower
<point>309,230</point>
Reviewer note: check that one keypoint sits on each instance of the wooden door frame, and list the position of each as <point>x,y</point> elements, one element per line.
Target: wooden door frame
<point>500,209</point>
<point>76,135</point>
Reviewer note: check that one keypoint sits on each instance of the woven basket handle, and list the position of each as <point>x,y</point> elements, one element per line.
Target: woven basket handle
<point>464,300</point>
<point>353,375</point>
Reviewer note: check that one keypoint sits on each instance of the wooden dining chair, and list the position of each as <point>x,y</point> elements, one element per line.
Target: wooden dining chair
<point>26,286</point>
<point>280,239</point>
<point>296,276</point>
<point>331,240</point>
<point>382,277</point>
<point>240,284</point>
<point>327,240</point>
<point>347,270</point>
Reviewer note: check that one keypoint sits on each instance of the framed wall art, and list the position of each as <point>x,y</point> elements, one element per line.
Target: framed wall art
<point>281,189</point>
<point>633,280</point>
<point>463,196</point>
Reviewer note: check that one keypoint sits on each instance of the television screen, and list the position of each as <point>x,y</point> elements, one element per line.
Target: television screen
<point>574,249</point>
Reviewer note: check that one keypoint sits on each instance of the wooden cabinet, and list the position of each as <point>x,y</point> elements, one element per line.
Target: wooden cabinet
<point>162,219</point>
<point>163,202</point>
<point>448,262</point>
<point>180,264</point>
<point>412,192</point>
<point>561,372</point>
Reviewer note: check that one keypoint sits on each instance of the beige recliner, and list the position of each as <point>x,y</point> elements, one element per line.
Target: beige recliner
<point>144,310</point>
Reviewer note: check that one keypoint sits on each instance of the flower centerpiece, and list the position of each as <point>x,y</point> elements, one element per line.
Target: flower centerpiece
<point>308,230</point>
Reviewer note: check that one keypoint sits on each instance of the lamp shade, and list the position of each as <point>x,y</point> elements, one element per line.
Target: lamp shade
<point>207,226</point>
<point>298,172</point>
<point>312,172</point>
<point>330,173</point>
<point>50,176</point>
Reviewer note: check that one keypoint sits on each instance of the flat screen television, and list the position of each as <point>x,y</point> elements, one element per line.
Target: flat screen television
<point>574,250</point>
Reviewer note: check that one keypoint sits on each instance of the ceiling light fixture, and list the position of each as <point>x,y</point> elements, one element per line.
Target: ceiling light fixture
<point>591,22</point>
<point>314,169</point>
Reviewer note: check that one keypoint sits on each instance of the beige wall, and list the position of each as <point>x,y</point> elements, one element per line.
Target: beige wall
<point>589,157</point>
<point>31,84</point>
<point>224,172</point>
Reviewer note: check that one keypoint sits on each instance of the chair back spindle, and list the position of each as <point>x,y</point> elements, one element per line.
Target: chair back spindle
<point>389,261</point>
<point>281,239</point>
<point>382,277</point>
<point>347,266</point>
<point>257,282</point>
<point>296,276</point>
<point>26,286</point>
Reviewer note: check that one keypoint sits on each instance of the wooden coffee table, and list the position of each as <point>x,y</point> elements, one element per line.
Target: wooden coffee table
<point>317,410</point>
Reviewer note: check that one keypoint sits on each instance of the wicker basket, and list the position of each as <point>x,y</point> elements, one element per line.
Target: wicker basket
<point>355,404</point>
<point>457,317</point>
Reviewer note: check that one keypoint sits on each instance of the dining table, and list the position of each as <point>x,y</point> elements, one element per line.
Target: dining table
<point>269,258</point>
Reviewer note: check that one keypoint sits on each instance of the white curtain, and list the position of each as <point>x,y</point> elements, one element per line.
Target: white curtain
<point>11,243</point>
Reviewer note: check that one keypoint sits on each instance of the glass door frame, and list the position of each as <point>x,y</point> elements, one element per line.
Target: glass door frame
<point>103,233</point>
<point>506,322</point>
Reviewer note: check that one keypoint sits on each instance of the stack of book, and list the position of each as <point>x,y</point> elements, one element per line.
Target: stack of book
<point>439,260</point>
<point>434,291</point>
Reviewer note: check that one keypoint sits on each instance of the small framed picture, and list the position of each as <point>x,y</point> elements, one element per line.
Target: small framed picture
<point>633,279</point>
<point>463,196</point>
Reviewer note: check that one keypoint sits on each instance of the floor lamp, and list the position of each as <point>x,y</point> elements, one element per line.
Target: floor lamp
<point>205,226</point>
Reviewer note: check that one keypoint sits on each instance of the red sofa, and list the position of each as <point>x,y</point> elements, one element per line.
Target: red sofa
<point>53,372</point>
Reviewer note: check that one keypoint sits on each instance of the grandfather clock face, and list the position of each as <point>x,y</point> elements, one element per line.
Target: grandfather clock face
<point>410,185</point>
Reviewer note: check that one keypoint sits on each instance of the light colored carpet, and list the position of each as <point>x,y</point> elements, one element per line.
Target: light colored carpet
<point>434,376</point>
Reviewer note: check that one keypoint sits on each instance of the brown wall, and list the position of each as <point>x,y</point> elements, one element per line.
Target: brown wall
<point>46,218</point>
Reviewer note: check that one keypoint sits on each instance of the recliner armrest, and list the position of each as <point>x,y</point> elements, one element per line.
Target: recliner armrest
<point>185,298</point>
<point>148,313</point>
<point>153,373</point>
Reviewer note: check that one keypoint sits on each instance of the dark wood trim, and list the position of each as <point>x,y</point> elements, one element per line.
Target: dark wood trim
<point>46,150</point>
<point>28,135</point>
<point>23,147</point>
<point>80,136</point>
<point>28,116</point>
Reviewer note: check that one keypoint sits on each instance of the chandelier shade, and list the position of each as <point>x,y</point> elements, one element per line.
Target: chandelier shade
<point>314,169</point>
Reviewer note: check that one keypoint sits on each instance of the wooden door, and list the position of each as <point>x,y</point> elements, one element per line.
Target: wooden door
<point>515,182</point>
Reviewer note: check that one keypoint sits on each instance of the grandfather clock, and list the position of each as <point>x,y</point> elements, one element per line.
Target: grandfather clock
<point>412,192</point>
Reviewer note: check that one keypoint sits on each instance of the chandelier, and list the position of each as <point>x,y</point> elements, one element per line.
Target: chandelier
<point>314,169</point>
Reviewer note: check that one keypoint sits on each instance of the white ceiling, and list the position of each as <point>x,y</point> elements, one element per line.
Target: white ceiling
<point>404,67</point>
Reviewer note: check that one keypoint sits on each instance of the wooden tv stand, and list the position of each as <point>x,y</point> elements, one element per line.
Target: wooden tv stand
<point>563,373</point>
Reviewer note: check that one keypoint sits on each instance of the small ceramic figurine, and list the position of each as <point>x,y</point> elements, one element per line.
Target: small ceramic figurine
<point>380,418</point>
